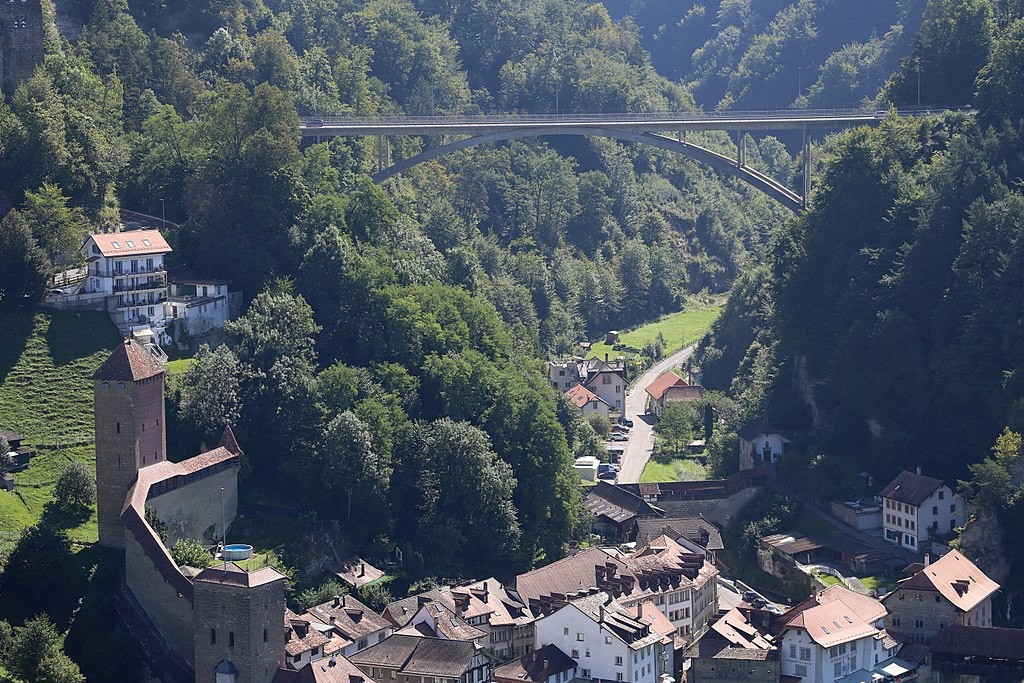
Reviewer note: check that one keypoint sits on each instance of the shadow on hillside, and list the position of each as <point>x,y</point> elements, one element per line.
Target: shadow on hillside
<point>16,325</point>
<point>72,335</point>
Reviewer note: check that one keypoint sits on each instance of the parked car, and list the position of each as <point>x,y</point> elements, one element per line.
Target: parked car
<point>618,436</point>
<point>610,474</point>
<point>625,421</point>
<point>606,467</point>
<point>620,429</point>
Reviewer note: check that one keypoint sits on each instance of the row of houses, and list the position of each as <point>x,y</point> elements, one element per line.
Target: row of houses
<point>592,615</point>
<point>935,625</point>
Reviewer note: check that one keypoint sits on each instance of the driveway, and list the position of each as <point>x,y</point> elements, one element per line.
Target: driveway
<point>638,449</point>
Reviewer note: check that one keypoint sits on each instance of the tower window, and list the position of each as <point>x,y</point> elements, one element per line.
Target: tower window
<point>264,635</point>
<point>118,427</point>
<point>231,638</point>
<point>213,636</point>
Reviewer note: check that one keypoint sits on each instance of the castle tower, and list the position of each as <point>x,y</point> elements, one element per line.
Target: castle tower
<point>21,42</point>
<point>128,397</point>
<point>238,618</point>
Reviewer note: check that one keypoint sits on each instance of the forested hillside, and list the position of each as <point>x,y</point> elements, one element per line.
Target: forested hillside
<point>889,324</point>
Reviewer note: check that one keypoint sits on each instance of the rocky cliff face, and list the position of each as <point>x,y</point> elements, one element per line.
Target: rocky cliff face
<point>982,541</point>
<point>21,41</point>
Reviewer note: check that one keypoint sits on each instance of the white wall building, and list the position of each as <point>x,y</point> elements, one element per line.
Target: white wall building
<point>834,634</point>
<point>606,640</point>
<point>128,267</point>
<point>199,304</point>
<point>916,508</point>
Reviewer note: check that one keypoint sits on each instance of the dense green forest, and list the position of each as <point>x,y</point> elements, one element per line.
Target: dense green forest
<point>888,322</point>
<point>394,332</point>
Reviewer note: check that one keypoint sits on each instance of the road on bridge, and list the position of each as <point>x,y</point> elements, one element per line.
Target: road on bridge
<point>641,440</point>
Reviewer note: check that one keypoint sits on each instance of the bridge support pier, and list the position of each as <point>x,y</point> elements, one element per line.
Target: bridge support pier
<point>741,148</point>
<point>807,168</point>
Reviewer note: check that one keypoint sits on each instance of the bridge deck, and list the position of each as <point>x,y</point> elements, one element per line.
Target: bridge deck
<point>636,123</point>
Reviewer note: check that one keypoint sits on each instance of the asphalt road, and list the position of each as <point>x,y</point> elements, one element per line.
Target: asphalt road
<point>638,449</point>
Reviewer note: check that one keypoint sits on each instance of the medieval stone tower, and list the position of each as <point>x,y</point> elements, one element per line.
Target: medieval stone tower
<point>128,396</point>
<point>239,625</point>
<point>21,41</point>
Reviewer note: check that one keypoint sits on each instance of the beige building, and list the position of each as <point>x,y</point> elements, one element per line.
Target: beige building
<point>950,591</point>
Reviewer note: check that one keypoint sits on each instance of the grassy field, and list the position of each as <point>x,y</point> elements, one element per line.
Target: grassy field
<point>678,329</point>
<point>46,359</point>
<point>674,469</point>
<point>179,366</point>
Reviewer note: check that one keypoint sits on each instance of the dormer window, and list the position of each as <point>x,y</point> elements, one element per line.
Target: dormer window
<point>130,243</point>
<point>116,245</point>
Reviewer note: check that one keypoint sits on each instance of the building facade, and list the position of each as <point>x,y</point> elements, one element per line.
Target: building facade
<point>918,508</point>
<point>128,268</point>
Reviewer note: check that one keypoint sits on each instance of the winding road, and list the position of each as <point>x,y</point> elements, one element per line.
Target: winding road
<point>641,441</point>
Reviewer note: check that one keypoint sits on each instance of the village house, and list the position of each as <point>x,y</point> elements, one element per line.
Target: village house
<point>918,509</point>
<point>669,388</point>
<point>413,659</point>
<point>760,444</point>
<point>832,635</point>
<point>488,606</point>
<point>606,640</point>
<point>197,304</point>
<point>587,401</point>
<point>694,529</point>
<point>435,620</point>
<point>616,511</point>
<point>950,591</point>
<point>304,644</point>
<point>357,572</point>
<point>675,576</point>
<point>18,455</point>
<point>547,664</point>
<point>602,378</point>
<point>734,649</point>
<point>349,625</point>
<point>973,653</point>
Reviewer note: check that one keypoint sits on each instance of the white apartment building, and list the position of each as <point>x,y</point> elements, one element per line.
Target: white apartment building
<point>916,508</point>
<point>128,267</point>
<point>606,640</point>
<point>832,635</point>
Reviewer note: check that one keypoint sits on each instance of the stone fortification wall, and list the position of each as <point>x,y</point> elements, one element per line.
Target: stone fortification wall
<point>21,41</point>
<point>166,600</point>
<point>194,510</point>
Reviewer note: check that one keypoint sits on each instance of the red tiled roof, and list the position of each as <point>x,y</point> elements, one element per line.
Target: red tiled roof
<point>580,396</point>
<point>228,441</point>
<point>229,573</point>
<point>836,615</point>
<point>129,361</point>
<point>130,243</point>
<point>536,666</point>
<point>567,576</point>
<point>956,578</point>
<point>667,379</point>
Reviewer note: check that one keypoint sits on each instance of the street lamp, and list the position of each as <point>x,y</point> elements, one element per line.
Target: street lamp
<point>163,215</point>
<point>918,82</point>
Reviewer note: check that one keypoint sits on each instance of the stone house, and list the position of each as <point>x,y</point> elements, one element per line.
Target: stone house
<point>950,591</point>
<point>349,625</point>
<point>918,508</point>
<point>735,649</point>
<point>603,378</point>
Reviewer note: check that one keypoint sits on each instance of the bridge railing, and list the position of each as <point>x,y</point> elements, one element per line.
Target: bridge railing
<point>626,117</point>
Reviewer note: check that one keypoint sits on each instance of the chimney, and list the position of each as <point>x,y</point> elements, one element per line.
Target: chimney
<point>605,358</point>
<point>362,569</point>
<point>337,601</point>
<point>639,611</point>
<point>600,615</point>
<point>927,559</point>
<point>535,655</point>
<point>919,469</point>
<point>545,665</point>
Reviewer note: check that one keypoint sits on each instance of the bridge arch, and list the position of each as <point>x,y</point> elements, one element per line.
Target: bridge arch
<point>719,162</point>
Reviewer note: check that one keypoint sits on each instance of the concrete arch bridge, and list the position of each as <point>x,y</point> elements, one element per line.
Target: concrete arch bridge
<point>662,130</point>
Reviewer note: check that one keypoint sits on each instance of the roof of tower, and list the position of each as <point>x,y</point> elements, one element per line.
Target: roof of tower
<point>231,574</point>
<point>129,361</point>
<point>228,441</point>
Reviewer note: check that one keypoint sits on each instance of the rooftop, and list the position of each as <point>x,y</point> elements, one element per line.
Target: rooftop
<point>129,361</point>
<point>536,666</point>
<point>130,243</point>
<point>956,578</point>
<point>911,488</point>
<point>975,641</point>
<point>660,385</point>
<point>347,615</point>
<point>230,574</point>
<point>835,615</point>
<point>419,656</point>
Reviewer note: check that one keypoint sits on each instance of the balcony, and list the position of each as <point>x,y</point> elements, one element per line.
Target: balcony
<point>141,301</point>
<point>158,283</point>
<point>139,270</point>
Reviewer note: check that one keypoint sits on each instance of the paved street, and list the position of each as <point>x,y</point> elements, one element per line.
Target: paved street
<point>638,448</point>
